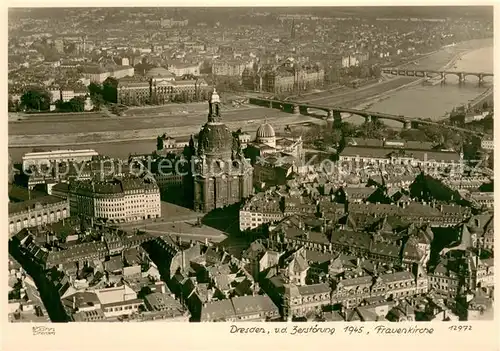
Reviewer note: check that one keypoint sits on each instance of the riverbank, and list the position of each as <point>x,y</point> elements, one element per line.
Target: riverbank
<point>81,139</point>
<point>367,104</point>
<point>447,66</point>
<point>447,54</point>
<point>171,110</point>
<point>442,59</point>
<point>146,126</point>
<point>487,96</point>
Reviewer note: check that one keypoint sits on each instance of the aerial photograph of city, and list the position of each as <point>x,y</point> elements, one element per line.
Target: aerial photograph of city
<point>250,164</point>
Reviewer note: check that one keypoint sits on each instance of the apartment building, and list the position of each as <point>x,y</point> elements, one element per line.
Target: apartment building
<point>118,200</point>
<point>233,68</point>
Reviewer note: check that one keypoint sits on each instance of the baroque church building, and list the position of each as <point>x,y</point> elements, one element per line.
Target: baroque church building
<point>221,174</point>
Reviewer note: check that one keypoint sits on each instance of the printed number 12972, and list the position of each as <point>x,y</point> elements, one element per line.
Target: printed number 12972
<point>460,328</point>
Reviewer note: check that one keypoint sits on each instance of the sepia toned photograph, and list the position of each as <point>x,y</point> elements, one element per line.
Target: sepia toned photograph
<point>251,164</point>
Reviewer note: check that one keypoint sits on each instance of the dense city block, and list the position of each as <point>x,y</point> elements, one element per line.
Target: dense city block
<point>269,186</point>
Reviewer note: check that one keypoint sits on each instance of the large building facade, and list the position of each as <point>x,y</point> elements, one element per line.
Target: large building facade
<point>285,78</point>
<point>160,87</point>
<point>47,157</point>
<point>222,175</point>
<point>119,200</point>
<point>232,68</point>
<point>98,74</point>
<point>266,144</point>
<point>35,212</point>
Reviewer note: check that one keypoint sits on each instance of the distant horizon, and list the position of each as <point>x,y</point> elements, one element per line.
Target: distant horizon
<point>369,10</point>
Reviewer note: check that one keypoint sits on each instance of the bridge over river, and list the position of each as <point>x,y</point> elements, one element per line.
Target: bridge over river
<point>430,73</point>
<point>334,114</point>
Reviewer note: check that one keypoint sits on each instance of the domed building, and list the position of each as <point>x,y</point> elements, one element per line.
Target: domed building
<point>266,144</point>
<point>223,176</point>
<point>215,139</point>
<point>265,135</point>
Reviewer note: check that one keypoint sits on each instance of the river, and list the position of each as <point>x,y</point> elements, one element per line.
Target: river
<point>435,101</point>
<point>415,101</point>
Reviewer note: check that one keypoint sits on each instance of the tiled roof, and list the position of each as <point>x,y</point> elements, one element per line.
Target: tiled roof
<point>397,276</point>
<point>314,289</point>
<point>217,311</point>
<point>17,207</point>
<point>253,304</point>
<point>364,280</point>
<point>75,252</point>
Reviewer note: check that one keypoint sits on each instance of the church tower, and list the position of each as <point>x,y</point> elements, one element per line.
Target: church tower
<point>222,176</point>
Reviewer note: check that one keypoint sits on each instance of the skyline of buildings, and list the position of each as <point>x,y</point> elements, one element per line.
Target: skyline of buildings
<point>251,218</point>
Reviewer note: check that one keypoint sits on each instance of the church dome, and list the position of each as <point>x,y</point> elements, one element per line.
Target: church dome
<point>265,131</point>
<point>216,140</point>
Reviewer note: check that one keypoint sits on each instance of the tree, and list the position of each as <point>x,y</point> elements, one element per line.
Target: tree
<point>13,106</point>
<point>64,232</point>
<point>206,67</point>
<point>355,71</point>
<point>77,104</point>
<point>348,129</point>
<point>313,133</point>
<point>228,84</point>
<point>159,143</point>
<point>375,71</point>
<point>60,105</point>
<point>413,135</point>
<point>333,74</point>
<point>333,137</point>
<point>203,95</point>
<point>36,99</point>
<point>98,101</point>
<point>110,90</point>
<point>364,71</point>
<point>95,89</point>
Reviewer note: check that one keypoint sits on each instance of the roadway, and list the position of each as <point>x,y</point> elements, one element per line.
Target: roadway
<point>248,123</point>
<point>34,126</point>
